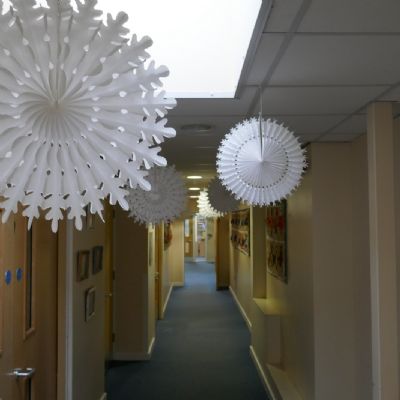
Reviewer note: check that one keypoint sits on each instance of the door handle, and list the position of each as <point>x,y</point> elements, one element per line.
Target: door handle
<point>23,373</point>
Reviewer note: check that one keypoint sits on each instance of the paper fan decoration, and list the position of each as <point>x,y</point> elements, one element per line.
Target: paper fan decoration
<point>80,111</point>
<point>205,208</point>
<point>220,198</point>
<point>165,201</point>
<point>256,173</point>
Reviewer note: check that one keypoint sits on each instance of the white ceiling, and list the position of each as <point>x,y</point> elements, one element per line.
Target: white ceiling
<point>319,62</point>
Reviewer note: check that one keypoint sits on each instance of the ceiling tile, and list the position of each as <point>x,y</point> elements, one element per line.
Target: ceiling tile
<point>304,125</point>
<point>210,107</point>
<point>282,15</point>
<point>339,137</point>
<point>316,100</point>
<point>339,60</point>
<point>352,16</point>
<point>356,124</point>
<point>393,95</point>
<point>266,53</point>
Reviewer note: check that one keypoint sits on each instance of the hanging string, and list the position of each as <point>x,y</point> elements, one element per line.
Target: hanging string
<point>261,122</point>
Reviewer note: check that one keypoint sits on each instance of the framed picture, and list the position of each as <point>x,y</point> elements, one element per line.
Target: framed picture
<point>90,303</point>
<point>276,251</point>
<point>167,234</point>
<point>240,228</point>
<point>82,265</point>
<point>97,259</point>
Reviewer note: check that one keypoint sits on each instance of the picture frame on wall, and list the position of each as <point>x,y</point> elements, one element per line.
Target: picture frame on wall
<point>240,230</point>
<point>90,303</point>
<point>97,259</point>
<point>82,265</point>
<point>276,240</point>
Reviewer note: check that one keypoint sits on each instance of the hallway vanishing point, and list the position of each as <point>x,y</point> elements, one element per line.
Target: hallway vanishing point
<point>201,353</point>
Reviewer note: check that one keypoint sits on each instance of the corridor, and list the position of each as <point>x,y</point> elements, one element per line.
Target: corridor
<point>201,353</point>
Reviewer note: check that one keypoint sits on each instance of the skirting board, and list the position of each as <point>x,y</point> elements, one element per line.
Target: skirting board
<point>241,309</point>
<point>268,385</point>
<point>104,396</point>
<point>167,300</point>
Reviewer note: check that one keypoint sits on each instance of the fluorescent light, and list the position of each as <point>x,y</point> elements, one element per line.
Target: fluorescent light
<point>194,177</point>
<point>203,43</point>
<point>194,189</point>
<point>194,197</point>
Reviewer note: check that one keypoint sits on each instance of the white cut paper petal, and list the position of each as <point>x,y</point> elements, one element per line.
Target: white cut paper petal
<point>260,174</point>
<point>205,208</point>
<point>80,110</point>
<point>166,200</point>
<point>220,198</point>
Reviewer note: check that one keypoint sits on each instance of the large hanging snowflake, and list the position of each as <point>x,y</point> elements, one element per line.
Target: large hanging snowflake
<point>258,173</point>
<point>80,111</point>
<point>165,201</point>
<point>220,198</point>
<point>205,208</point>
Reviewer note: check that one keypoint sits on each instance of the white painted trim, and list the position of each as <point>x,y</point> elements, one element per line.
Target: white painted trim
<point>151,347</point>
<point>69,305</point>
<point>167,299</point>
<point>266,383</point>
<point>241,309</point>
<point>104,396</point>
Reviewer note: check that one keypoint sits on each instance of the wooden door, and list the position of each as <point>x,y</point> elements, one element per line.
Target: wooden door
<point>188,230</point>
<point>159,251</point>
<point>7,382</point>
<point>31,311</point>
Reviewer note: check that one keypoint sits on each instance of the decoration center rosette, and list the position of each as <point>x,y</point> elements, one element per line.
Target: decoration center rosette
<point>166,200</point>
<point>260,170</point>
<point>81,110</point>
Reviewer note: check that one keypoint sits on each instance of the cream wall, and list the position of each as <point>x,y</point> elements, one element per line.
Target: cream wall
<point>320,320</point>
<point>134,288</point>
<point>211,240</point>
<point>88,337</point>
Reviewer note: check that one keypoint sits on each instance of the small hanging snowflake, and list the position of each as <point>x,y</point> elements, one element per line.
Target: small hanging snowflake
<point>260,172</point>
<point>205,208</point>
<point>81,113</point>
<point>166,200</point>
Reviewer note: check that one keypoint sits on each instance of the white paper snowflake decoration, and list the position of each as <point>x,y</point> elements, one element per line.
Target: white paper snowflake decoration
<point>80,112</point>
<point>166,200</point>
<point>220,198</point>
<point>256,173</point>
<point>205,208</point>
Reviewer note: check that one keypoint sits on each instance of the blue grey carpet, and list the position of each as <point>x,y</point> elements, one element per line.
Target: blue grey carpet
<point>201,352</point>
